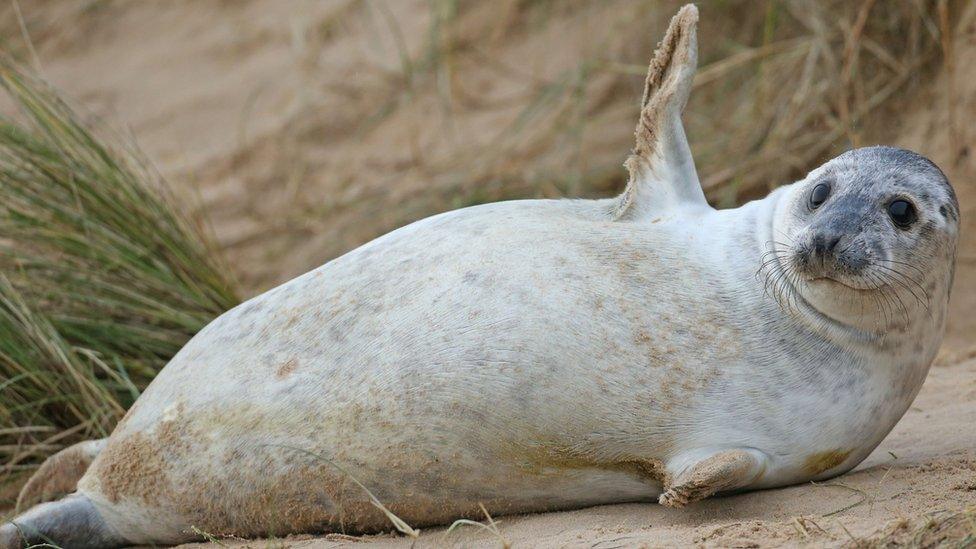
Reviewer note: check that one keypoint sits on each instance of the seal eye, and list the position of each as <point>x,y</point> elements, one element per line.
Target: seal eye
<point>819,195</point>
<point>902,213</point>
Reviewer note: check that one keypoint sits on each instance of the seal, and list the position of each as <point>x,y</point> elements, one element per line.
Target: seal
<point>546,354</point>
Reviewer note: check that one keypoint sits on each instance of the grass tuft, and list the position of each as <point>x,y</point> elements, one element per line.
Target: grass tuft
<point>941,528</point>
<point>102,277</point>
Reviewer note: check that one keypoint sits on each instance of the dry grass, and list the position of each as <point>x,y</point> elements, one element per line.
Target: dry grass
<point>102,279</point>
<point>942,529</point>
<point>398,523</point>
<point>489,101</point>
<point>490,525</point>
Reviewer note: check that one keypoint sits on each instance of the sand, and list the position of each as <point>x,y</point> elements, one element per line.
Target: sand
<point>252,109</point>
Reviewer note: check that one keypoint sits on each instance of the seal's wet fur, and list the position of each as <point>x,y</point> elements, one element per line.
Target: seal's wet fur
<point>539,355</point>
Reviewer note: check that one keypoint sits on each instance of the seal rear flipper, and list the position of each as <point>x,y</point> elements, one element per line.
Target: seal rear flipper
<point>662,171</point>
<point>71,522</point>
<point>59,474</point>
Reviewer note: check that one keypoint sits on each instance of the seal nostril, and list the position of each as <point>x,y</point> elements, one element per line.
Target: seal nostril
<point>832,242</point>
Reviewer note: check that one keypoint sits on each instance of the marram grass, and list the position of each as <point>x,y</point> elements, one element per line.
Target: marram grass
<point>102,277</point>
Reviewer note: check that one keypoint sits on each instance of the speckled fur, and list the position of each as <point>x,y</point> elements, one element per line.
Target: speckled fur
<point>542,354</point>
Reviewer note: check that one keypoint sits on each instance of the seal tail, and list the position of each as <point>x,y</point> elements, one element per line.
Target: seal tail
<point>71,522</point>
<point>58,476</point>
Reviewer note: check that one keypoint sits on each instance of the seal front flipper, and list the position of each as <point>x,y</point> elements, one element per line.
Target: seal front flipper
<point>662,172</point>
<point>700,474</point>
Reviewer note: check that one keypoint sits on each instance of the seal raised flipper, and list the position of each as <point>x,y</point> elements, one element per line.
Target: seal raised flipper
<point>662,171</point>
<point>59,474</point>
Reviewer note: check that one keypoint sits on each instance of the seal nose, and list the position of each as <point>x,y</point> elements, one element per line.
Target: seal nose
<point>833,249</point>
<point>825,244</point>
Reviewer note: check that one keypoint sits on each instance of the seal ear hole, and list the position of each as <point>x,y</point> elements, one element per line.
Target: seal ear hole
<point>902,213</point>
<point>948,212</point>
<point>819,195</point>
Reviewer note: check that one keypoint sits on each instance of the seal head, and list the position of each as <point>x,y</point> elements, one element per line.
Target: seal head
<point>869,238</point>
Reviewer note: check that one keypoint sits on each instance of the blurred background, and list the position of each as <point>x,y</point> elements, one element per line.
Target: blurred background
<point>291,131</point>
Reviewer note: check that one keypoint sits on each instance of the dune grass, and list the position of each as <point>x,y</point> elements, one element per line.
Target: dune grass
<point>102,278</point>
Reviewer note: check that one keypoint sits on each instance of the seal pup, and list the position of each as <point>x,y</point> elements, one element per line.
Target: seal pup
<point>539,355</point>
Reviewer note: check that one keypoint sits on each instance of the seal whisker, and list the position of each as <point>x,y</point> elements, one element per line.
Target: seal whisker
<point>883,294</point>
<point>890,294</point>
<point>770,286</point>
<point>771,261</point>
<point>784,287</point>
<point>846,248</point>
<point>881,306</point>
<point>921,272</point>
<point>911,280</point>
<point>775,254</point>
<point>784,235</point>
<point>901,278</point>
<point>793,279</point>
<point>897,295</point>
<point>774,281</point>
<point>897,303</point>
<point>774,274</point>
<point>861,312</point>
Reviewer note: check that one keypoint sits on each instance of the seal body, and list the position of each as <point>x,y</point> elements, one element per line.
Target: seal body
<point>444,365</point>
<point>528,355</point>
<point>547,354</point>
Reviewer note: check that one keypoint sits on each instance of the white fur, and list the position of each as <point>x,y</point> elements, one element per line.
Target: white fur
<point>540,327</point>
